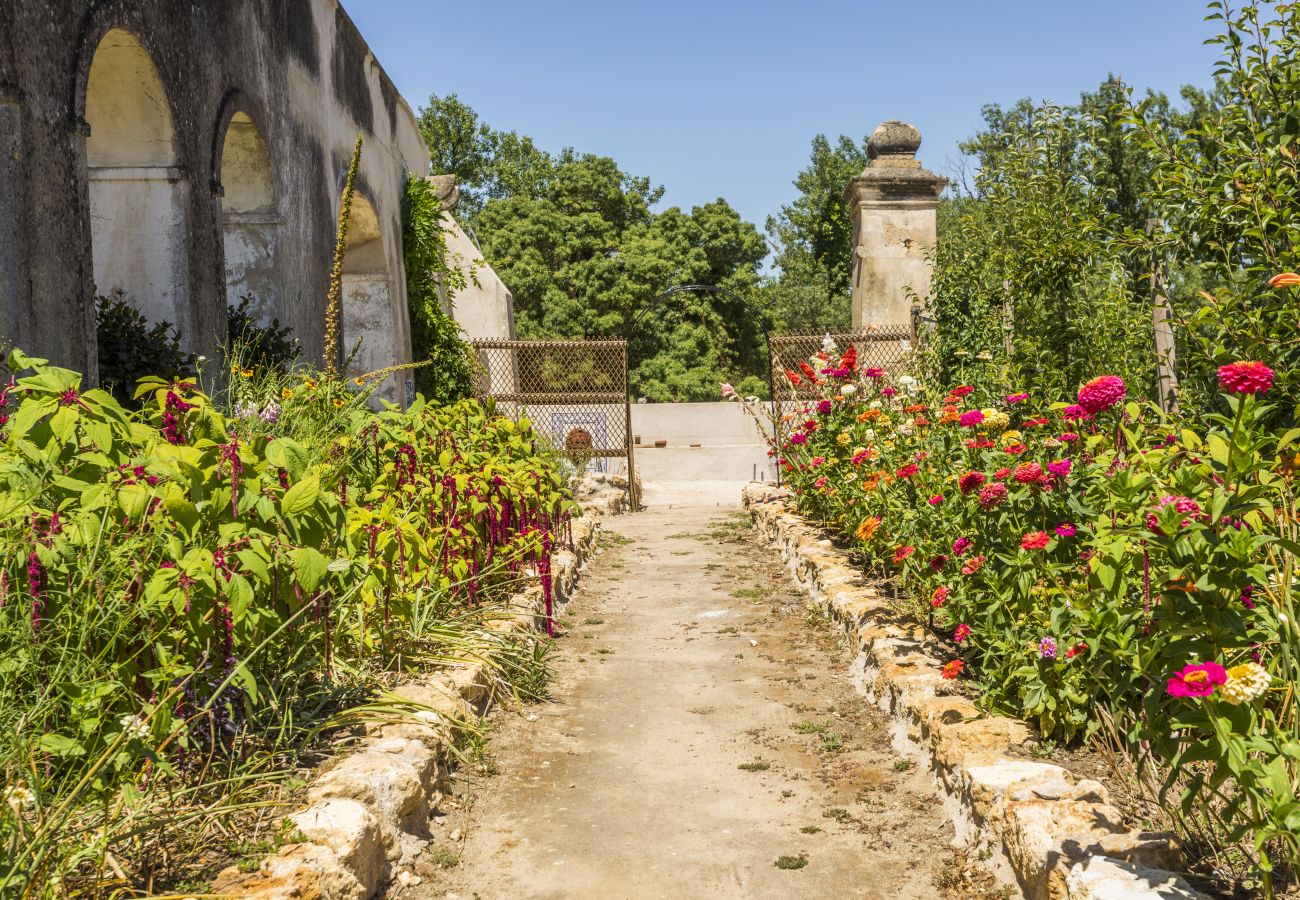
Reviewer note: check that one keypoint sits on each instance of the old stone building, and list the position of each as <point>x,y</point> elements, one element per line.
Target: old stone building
<point>190,153</point>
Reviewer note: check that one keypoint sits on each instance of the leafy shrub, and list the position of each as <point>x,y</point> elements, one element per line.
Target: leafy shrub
<point>179,584</point>
<point>130,348</point>
<point>261,346</point>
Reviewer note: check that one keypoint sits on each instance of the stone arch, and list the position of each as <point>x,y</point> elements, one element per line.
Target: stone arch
<point>138,190</point>
<point>250,217</point>
<point>368,296</point>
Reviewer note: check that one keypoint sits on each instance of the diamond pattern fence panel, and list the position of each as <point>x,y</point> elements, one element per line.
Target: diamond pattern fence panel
<point>574,393</point>
<point>887,347</point>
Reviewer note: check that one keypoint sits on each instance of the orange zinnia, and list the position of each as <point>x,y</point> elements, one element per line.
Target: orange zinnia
<point>867,530</point>
<point>1284,279</point>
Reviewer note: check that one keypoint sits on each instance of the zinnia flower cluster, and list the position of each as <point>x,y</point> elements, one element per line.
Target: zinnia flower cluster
<point>1102,393</point>
<point>970,418</point>
<point>971,481</point>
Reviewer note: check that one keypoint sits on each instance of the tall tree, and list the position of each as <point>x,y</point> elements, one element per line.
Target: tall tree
<point>814,242</point>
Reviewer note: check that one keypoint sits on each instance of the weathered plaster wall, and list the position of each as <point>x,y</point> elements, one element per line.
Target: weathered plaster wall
<point>484,308</point>
<point>297,70</point>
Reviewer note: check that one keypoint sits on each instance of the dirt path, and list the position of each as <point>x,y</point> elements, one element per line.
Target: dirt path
<point>703,741</point>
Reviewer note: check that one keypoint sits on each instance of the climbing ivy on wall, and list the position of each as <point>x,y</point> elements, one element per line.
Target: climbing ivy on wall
<point>435,335</point>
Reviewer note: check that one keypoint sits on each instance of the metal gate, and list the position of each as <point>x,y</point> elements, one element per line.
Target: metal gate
<point>574,392</point>
<point>887,347</point>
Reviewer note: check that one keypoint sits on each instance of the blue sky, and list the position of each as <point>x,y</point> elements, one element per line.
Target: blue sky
<point>721,99</point>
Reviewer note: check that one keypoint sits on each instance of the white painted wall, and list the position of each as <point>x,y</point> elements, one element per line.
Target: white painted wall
<point>484,308</point>
<point>731,445</point>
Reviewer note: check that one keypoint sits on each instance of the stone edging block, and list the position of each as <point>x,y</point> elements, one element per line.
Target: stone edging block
<point>1057,836</point>
<point>368,812</point>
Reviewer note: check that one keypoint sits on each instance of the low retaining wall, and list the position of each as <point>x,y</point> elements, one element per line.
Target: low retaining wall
<point>1057,836</point>
<point>368,813</point>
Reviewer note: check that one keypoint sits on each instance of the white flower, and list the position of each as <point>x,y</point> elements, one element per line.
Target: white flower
<point>871,434</point>
<point>245,409</point>
<point>849,390</point>
<point>828,344</point>
<point>874,404</point>
<point>904,429</point>
<point>906,345</point>
<point>1246,682</point>
<point>134,727</point>
<point>18,796</point>
<point>906,380</point>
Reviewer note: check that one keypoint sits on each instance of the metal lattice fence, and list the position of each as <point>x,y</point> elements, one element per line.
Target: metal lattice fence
<point>887,347</point>
<point>574,392</point>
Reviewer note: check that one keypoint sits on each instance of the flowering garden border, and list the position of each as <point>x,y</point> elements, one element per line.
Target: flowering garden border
<point>1058,837</point>
<point>367,814</point>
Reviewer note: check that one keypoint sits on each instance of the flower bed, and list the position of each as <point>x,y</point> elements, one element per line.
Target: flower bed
<point>185,588</point>
<point>1084,556</point>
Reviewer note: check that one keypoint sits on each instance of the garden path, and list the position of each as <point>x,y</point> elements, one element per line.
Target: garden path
<point>700,729</point>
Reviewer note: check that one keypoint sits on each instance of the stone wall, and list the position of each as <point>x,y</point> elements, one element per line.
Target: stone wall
<point>186,152</point>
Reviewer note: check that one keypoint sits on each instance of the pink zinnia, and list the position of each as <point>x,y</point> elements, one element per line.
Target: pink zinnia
<point>971,418</point>
<point>874,373</point>
<point>938,562</point>
<point>1075,413</point>
<point>1034,540</point>
<point>992,495</point>
<point>1102,393</point>
<point>1065,530</point>
<point>1197,680</point>
<point>976,562</point>
<point>798,438</point>
<point>1245,378</point>
<point>859,457</point>
<point>888,391</point>
<point>1016,398</point>
<point>1068,438</point>
<point>935,500</point>
<point>961,545</point>
<point>1028,473</point>
<point>902,553</point>
<point>961,633</point>
<point>823,406</point>
<point>1060,467</point>
<point>939,597</point>
<point>908,470</point>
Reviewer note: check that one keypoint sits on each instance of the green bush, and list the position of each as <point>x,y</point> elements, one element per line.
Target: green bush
<point>130,348</point>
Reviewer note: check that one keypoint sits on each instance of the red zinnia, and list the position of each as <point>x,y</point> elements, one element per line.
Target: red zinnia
<point>908,471</point>
<point>961,390</point>
<point>971,481</point>
<point>902,553</point>
<point>793,377</point>
<point>1028,473</point>
<point>1245,378</point>
<point>939,597</point>
<point>953,669</point>
<point>1102,393</point>
<point>1034,540</point>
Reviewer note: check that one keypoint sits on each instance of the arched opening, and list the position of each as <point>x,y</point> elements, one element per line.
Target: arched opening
<point>137,192</point>
<point>368,298</point>
<point>250,223</point>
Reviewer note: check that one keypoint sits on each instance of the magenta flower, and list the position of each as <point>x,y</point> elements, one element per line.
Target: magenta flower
<point>1197,680</point>
<point>961,633</point>
<point>1102,393</point>
<point>1068,438</point>
<point>798,438</point>
<point>1059,467</point>
<point>935,500</point>
<point>1245,378</point>
<point>961,545</point>
<point>823,406</point>
<point>1047,648</point>
<point>992,495</point>
<point>874,373</point>
<point>1016,398</point>
<point>1075,413</point>
<point>1065,530</point>
<point>971,418</point>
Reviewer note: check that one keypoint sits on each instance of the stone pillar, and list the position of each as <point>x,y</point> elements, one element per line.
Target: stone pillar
<point>893,203</point>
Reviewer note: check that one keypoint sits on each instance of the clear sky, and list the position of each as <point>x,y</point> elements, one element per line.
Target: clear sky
<point>720,99</point>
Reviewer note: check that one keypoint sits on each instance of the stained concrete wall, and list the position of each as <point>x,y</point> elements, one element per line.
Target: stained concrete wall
<point>297,69</point>
<point>731,446</point>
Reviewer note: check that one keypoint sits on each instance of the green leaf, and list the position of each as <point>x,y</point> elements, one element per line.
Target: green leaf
<point>310,568</point>
<point>300,497</point>
<point>60,745</point>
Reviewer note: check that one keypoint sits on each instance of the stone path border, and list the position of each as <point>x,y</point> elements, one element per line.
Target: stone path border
<point>1056,836</point>
<point>368,812</point>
